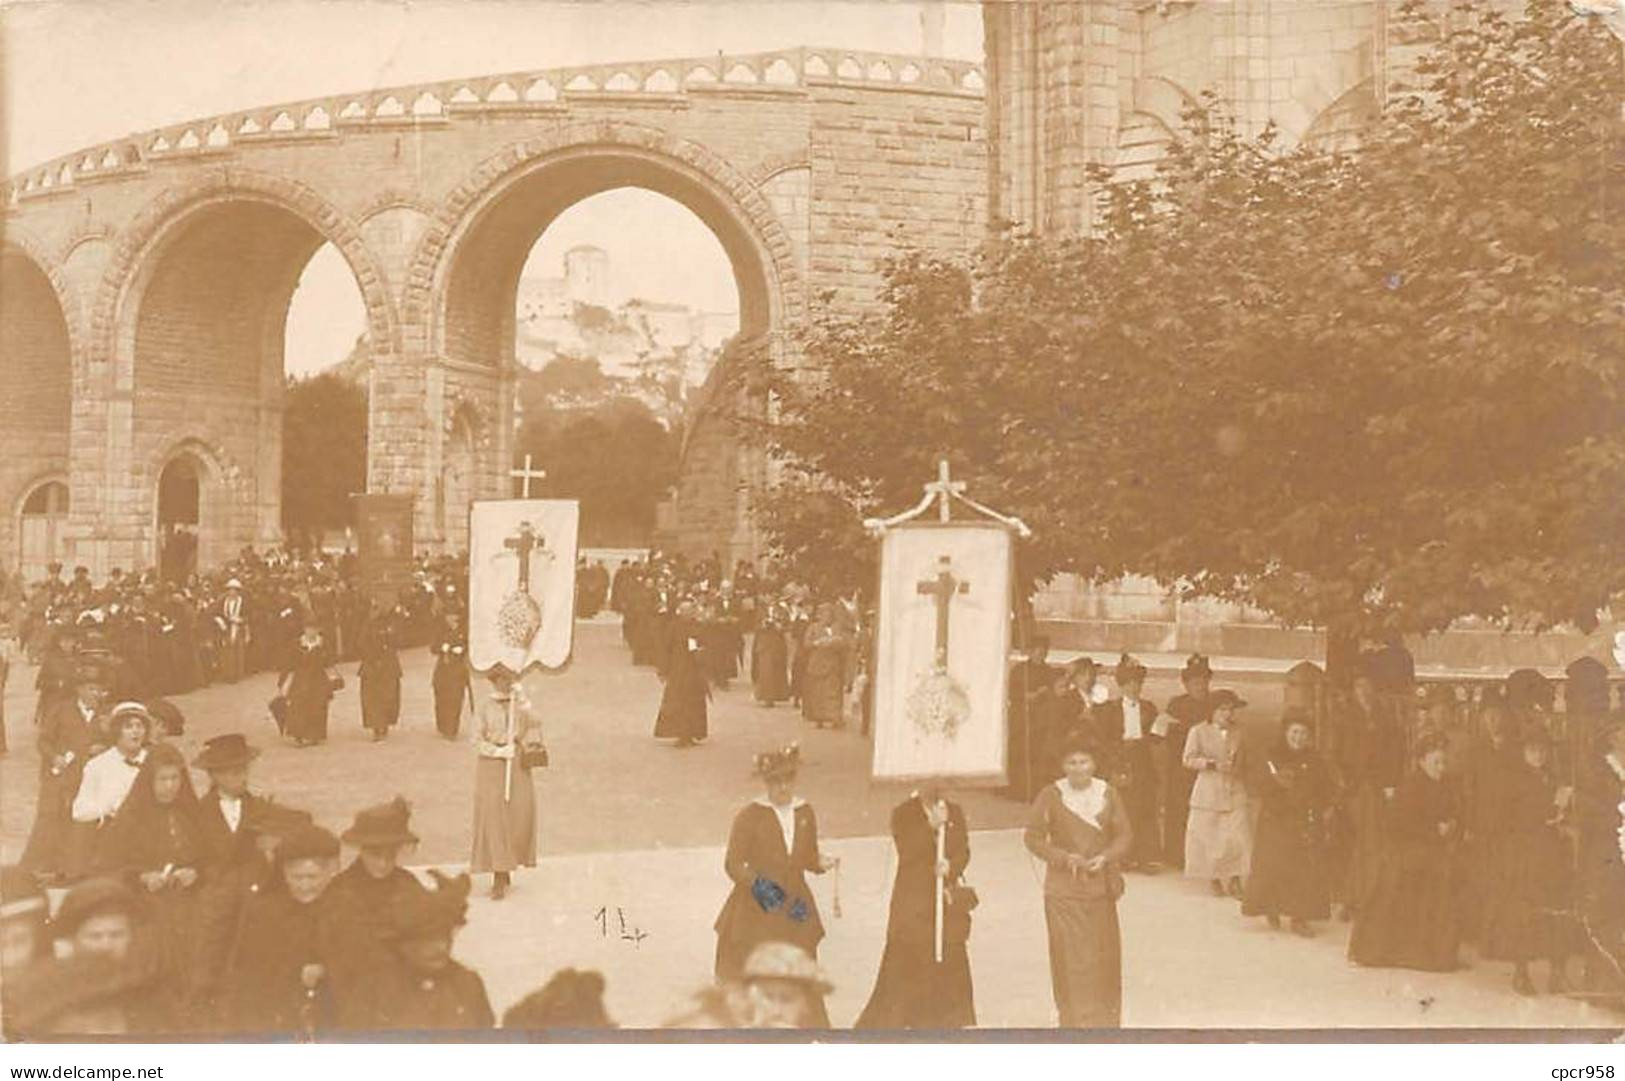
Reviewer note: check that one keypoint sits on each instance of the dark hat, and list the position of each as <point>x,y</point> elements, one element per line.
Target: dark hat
<point>20,893</point>
<point>308,842</point>
<point>1587,688</point>
<point>382,826</point>
<point>273,819</point>
<point>1128,670</point>
<point>93,897</point>
<point>571,999</point>
<point>780,763</point>
<point>225,752</point>
<point>167,715</point>
<point>1196,666</point>
<point>421,913</point>
<point>1226,697</point>
<point>1527,688</point>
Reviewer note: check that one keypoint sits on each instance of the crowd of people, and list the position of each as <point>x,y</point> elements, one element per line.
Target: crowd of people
<point>1430,823</point>
<point>692,625</point>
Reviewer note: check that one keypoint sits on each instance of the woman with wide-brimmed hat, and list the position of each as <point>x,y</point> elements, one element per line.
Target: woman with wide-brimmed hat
<point>1079,827</point>
<point>420,988</point>
<point>1218,833</point>
<point>772,848</point>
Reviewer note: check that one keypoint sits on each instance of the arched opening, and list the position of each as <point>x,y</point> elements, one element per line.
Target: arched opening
<point>543,288</point>
<point>180,506</point>
<point>36,402</point>
<point>204,340</point>
<point>41,529</point>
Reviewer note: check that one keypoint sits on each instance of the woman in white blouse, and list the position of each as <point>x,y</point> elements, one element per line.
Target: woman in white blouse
<point>1218,838</point>
<point>107,781</point>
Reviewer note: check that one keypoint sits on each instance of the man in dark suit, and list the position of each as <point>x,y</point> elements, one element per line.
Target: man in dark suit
<point>228,802</point>
<point>1127,731</point>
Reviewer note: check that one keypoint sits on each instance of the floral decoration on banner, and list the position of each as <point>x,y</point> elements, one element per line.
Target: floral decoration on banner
<point>938,704</point>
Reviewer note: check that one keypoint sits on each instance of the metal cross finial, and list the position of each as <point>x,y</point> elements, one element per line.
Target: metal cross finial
<point>944,488</point>
<point>526,474</point>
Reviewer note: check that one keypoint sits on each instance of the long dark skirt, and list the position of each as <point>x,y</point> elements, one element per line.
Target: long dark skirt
<point>450,689</point>
<point>1289,871</point>
<point>769,666</point>
<point>380,701</point>
<point>1409,918</point>
<point>913,991</point>
<point>1085,961</point>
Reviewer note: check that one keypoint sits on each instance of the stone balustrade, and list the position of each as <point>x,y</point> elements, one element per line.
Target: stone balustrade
<point>541,91</point>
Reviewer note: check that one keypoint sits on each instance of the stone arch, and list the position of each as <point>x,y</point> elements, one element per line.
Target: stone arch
<point>189,319</point>
<point>1339,125</point>
<point>147,232</point>
<point>38,348</point>
<point>23,244</point>
<point>736,207</point>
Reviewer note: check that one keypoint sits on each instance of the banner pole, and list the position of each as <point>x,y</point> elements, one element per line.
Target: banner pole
<point>942,852</point>
<point>507,776</point>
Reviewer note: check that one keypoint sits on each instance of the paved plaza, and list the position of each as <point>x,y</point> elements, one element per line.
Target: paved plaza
<point>631,873</point>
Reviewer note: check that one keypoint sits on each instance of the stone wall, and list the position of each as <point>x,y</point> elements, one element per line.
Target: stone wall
<point>178,249</point>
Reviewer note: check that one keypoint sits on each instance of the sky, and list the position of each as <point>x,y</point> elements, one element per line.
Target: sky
<point>78,72</point>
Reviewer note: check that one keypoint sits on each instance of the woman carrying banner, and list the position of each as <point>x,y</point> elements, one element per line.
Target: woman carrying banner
<point>508,739</point>
<point>915,990</point>
<point>1080,829</point>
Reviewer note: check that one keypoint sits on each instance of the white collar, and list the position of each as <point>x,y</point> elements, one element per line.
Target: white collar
<point>796,802</point>
<point>1087,803</point>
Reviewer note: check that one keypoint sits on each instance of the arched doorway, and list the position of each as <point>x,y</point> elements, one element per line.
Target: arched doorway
<point>40,528</point>
<point>180,505</point>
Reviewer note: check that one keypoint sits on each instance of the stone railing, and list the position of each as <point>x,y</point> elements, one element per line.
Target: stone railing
<point>430,103</point>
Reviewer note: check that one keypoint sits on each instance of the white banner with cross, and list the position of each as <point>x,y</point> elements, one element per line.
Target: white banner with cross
<point>521,582</point>
<point>942,648</point>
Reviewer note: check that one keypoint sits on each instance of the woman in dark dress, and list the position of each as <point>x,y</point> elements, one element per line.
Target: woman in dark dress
<point>914,990</point>
<point>308,687</point>
<point>380,675</point>
<point>1408,917</point>
<point>1290,874</point>
<point>1080,829</point>
<point>770,660</point>
<point>451,678</point>
<point>1527,905</point>
<point>419,987</point>
<point>156,844</point>
<point>772,848</point>
<point>683,702</point>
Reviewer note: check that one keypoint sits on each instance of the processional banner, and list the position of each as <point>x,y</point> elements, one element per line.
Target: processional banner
<point>942,650</point>
<point>385,549</point>
<point>521,582</point>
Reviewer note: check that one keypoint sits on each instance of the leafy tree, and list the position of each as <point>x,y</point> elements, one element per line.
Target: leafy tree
<point>616,458</point>
<point>1372,392</point>
<point>324,452</point>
